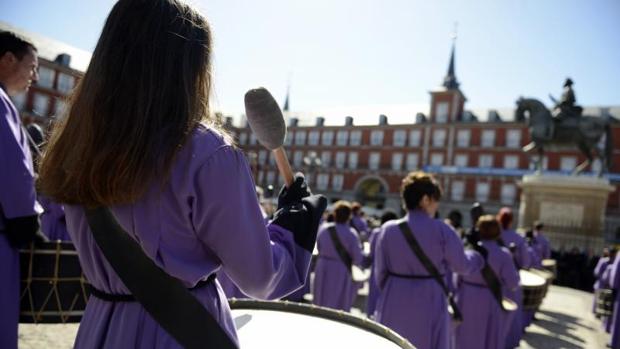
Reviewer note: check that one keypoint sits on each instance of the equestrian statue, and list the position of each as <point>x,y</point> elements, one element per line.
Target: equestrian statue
<point>566,126</point>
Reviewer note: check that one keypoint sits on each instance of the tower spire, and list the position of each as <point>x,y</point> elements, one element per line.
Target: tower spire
<point>450,81</point>
<point>285,107</point>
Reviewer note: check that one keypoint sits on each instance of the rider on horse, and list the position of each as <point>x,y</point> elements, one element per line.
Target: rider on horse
<point>566,113</point>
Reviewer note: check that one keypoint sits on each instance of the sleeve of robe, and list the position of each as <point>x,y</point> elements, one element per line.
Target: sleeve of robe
<point>264,261</point>
<point>523,254</point>
<point>509,275</point>
<point>600,267</point>
<point>355,249</point>
<point>379,263</point>
<point>458,260</point>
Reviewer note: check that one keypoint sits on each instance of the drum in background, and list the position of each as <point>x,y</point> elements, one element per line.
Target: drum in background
<point>550,265</point>
<point>533,287</point>
<point>275,325</point>
<point>604,302</point>
<point>53,288</point>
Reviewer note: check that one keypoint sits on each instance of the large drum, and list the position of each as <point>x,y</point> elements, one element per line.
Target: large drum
<point>279,325</point>
<point>545,274</point>
<point>53,288</point>
<point>533,287</point>
<point>550,265</point>
<point>604,302</point>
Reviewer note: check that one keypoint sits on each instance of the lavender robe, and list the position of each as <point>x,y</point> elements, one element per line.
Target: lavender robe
<point>613,280</point>
<point>333,286</point>
<point>205,217</point>
<point>522,257</point>
<point>359,224</point>
<point>373,289</point>
<point>417,308</point>
<point>53,222</point>
<point>17,199</point>
<point>483,318</point>
<point>601,265</point>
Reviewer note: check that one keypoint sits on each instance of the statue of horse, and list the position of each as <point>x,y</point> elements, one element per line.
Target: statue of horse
<point>546,132</point>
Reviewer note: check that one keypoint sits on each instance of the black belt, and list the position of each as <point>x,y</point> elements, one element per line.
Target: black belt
<point>404,276</point>
<point>111,297</point>
<point>474,284</point>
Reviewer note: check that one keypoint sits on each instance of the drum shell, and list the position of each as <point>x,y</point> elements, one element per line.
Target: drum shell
<point>534,288</point>
<point>604,305</point>
<point>52,286</point>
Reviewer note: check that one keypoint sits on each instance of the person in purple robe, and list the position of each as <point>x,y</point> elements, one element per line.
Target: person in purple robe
<point>358,221</point>
<point>139,139</point>
<point>373,289</point>
<point>483,317</point>
<point>411,302</point>
<point>18,206</point>
<point>612,278</point>
<point>599,269</point>
<point>521,254</point>
<point>53,222</point>
<point>333,285</point>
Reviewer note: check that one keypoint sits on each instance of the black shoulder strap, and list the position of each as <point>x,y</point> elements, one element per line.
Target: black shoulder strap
<point>342,252</point>
<point>430,267</point>
<point>492,281</point>
<point>164,297</point>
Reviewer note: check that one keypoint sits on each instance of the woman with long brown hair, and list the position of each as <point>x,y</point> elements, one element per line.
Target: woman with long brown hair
<point>139,138</point>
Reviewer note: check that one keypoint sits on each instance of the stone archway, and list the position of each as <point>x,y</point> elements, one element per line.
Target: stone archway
<point>371,191</point>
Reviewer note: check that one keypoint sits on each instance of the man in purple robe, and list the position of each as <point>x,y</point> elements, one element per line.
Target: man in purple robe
<point>333,284</point>
<point>373,289</point>
<point>18,205</point>
<point>613,280</point>
<point>411,302</point>
<point>53,222</point>
<point>358,222</point>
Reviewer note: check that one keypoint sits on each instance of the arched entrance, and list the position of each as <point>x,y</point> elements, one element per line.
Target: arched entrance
<point>371,191</point>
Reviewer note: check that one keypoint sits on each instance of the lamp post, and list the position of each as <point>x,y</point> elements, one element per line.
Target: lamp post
<point>312,162</point>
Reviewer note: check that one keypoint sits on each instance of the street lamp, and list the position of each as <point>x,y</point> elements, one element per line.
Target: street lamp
<point>312,162</point>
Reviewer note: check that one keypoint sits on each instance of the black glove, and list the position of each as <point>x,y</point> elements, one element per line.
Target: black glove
<point>302,219</point>
<point>482,250</point>
<point>21,231</point>
<point>298,190</point>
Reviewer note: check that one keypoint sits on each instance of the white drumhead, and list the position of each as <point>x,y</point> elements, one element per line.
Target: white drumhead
<point>257,328</point>
<point>358,274</point>
<point>549,263</point>
<point>529,279</point>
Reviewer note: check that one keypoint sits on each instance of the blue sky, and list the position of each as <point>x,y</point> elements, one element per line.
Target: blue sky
<point>362,58</point>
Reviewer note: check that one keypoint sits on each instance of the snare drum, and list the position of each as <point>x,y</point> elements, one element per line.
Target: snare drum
<point>550,265</point>
<point>533,287</point>
<point>545,274</point>
<point>53,288</point>
<point>604,302</point>
<point>275,325</point>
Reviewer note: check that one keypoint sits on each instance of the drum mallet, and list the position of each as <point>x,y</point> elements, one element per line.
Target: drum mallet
<point>267,123</point>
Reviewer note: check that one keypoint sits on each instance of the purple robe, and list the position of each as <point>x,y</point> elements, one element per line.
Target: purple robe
<point>522,257</point>
<point>17,199</point>
<point>53,222</point>
<point>205,217</point>
<point>483,318</point>
<point>613,280</point>
<point>417,308</point>
<point>600,268</point>
<point>333,286</point>
<point>360,226</point>
<point>373,289</point>
<point>605,283</point>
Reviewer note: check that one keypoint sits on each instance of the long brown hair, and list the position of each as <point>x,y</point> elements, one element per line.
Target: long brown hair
<point>146,88</point>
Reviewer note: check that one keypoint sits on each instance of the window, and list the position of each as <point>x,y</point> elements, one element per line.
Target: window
<point>511,161</point>
<point>340,156</point>
<point>513,138</point>
<point>271,177</point>
<point>399,138</point>
<point>457,190</point>
<point>376,137</point>
<point>243,138</point>
<point>568,163</point>
<point>41,103</point>
<point>300,138</point>
<point>439,138</point>
<point>509,191</point>
<point>322,180</point>
<point>262,156</point>
<point>328,138</point>
<point>19,101</point>
<point>298,158</point>
<point>326,158</point>
<point>412,162</point>
<point>352,160</point>
<point>462,138</point>
<point>441,112</point>
<point>65,82</point>
<point>397,161</point>
<point>437,159</point>
<point>460,160</point>
<point>313,138</point>
<point>545,162</point>
<point>288,138</point>
<point>485,161</point>
<point>261,177</point>
<point>415,137</point>
<point>272,159</point>
<point>59,109</point>
<point>342,137</point>
<point>46,77</point>
<point>374,160</point>
<point>596,166</point>
<point>488,138</point>
<point>482,192</point>
<point>252,139</point>
<point>356,138</point>
<point>337,181</point>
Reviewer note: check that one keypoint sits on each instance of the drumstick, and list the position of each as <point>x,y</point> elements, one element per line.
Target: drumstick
<point>267,123</point>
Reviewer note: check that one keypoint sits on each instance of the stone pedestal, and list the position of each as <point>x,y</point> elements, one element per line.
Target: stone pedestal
<point>571,207</point>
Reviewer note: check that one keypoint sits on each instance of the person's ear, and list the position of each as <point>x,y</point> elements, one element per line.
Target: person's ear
<point>8,59</point>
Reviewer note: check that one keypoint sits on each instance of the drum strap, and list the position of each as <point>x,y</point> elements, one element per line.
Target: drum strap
<point>430,268</point>
<point>342,252</point>
<point>492,282</point>
<point>164,297</point>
